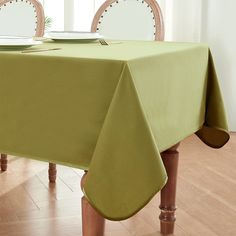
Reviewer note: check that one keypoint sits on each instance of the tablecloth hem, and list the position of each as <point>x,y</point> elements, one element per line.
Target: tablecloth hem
<point>131,214</point>
<point>205,135</point>
<point>21,155</point>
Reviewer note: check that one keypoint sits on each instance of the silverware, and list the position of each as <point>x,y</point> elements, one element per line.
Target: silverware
<point>40,50</point>
<point>103,42</point>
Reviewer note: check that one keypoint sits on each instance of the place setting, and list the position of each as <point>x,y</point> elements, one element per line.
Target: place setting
<point>28,44</point>
<point>22,43</point>
<point>76,37</point>
<point>17,42</point>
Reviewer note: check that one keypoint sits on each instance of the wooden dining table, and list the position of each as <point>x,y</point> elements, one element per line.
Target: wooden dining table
<point>117,111</point>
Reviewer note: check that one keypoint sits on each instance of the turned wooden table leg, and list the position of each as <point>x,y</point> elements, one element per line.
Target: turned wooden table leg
<point>3,162</point>
<point>167,217</point>
<point>92,222</point>
<point>52,172</point>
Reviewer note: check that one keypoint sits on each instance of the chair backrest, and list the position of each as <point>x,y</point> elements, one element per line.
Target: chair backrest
<point>129,19</point>
<point>21,18</point>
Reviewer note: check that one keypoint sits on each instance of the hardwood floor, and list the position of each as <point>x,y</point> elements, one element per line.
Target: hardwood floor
<point>206,198</point>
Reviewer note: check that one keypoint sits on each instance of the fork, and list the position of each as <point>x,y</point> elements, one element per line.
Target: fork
<point>103,42</point>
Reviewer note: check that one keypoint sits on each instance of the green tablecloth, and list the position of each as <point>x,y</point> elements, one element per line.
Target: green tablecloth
<point>112,110</point>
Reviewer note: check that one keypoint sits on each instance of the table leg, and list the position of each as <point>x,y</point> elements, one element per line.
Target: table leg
<point>52,172</point>
<point>92,222</point>
<point>3,162</point>
<point>167,217</point>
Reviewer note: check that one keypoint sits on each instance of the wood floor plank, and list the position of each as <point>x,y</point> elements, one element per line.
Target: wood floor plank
<point>60,227</point>
<point>192,225</point>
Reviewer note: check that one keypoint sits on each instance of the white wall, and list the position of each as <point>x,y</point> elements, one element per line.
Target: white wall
<point>219,31</point>
<point>186,20</point>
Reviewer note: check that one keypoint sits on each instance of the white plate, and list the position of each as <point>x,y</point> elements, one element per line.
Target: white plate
<point>73,35</point>
<point>13,43</point>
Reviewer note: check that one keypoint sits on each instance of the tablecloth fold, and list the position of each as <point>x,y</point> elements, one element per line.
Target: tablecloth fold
<point>215,129</point>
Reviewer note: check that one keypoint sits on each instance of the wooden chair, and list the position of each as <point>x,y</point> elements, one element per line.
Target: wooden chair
<point>129,20</point>
<point>22,18</point>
